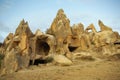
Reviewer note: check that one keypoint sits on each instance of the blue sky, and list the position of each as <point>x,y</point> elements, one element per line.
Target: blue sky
<point>40,13</point>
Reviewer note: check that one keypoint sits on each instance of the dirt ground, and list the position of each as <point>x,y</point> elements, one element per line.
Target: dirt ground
<point>81,70</point>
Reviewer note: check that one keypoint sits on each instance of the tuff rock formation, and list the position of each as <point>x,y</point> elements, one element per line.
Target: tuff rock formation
<point>60,28</point>
<point>58,44</point>
<point>17,48</point>
<point>103,27</point>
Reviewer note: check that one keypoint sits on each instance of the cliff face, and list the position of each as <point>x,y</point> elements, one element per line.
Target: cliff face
<point>23,48</point>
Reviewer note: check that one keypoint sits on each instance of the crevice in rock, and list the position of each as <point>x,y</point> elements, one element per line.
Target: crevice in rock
<point>37,62</point>
<point>116,43</point>
<point>72,49</point>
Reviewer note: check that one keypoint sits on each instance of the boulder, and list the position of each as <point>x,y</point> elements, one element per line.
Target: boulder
<point>62,60</point>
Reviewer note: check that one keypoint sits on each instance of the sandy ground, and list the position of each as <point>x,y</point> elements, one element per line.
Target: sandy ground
<point>81,70</point>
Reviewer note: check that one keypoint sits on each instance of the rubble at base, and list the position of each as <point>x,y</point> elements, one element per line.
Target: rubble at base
<point>60,42</point>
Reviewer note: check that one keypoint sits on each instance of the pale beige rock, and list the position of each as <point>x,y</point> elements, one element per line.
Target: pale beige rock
<point>102,38</point>
<point>10,62</point>
<point>23,27</point>
<point>104,27</point>
<point>8,40</point>
<point>38,32</point>
<point>60,59</point>
<point>91,27</point>
<point>77,29</point>
<point>60,28</point>
<point>17,49</point>
<point>105,37</point>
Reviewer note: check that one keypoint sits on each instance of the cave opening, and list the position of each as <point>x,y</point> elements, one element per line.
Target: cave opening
<point>42,47</point>
<point>37,62</point>
<point>72,49</point>
<point>116,43</point>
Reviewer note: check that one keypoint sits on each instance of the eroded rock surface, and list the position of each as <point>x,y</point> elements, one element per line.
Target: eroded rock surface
<point>24,48</point>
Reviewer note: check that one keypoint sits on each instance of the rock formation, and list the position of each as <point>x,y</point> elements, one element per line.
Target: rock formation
<point>77,29</point>
<point>103,27</point>
<point>17,48</point>
<point>60,42</point>
<point>60,28</point>
<point>104,38</point>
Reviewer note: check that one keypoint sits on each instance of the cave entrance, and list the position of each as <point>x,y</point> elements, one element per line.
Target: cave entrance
<point>42,48</point>
<point>117,43</point>
<point>72,49</point>
<point>37,62</point>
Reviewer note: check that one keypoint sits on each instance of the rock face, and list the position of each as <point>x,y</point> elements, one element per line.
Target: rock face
<point>8,40</point>
<point>60,59</point>
<point>77,29</point>
<point>23,27</point>
<point>24,48</point>
<point>60,28</point>
<point>41,46</point>
<point>10,62</point>
<point>104,38</point>
<point>17,48</point>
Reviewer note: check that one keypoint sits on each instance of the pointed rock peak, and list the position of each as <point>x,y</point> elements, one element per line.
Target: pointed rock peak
<point>81,24</point>
<point>60,11</point>
<point>60,24</point>
<point>23,27</point>
<point>9,36</point>
<point>77,29</point>
<point>22,21</point>
<point>78,25</point>
<point>38,32</point>
<point>26,23</point>
<point>100,22</point>
<point>104,27</point>
<point>91,26</point>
